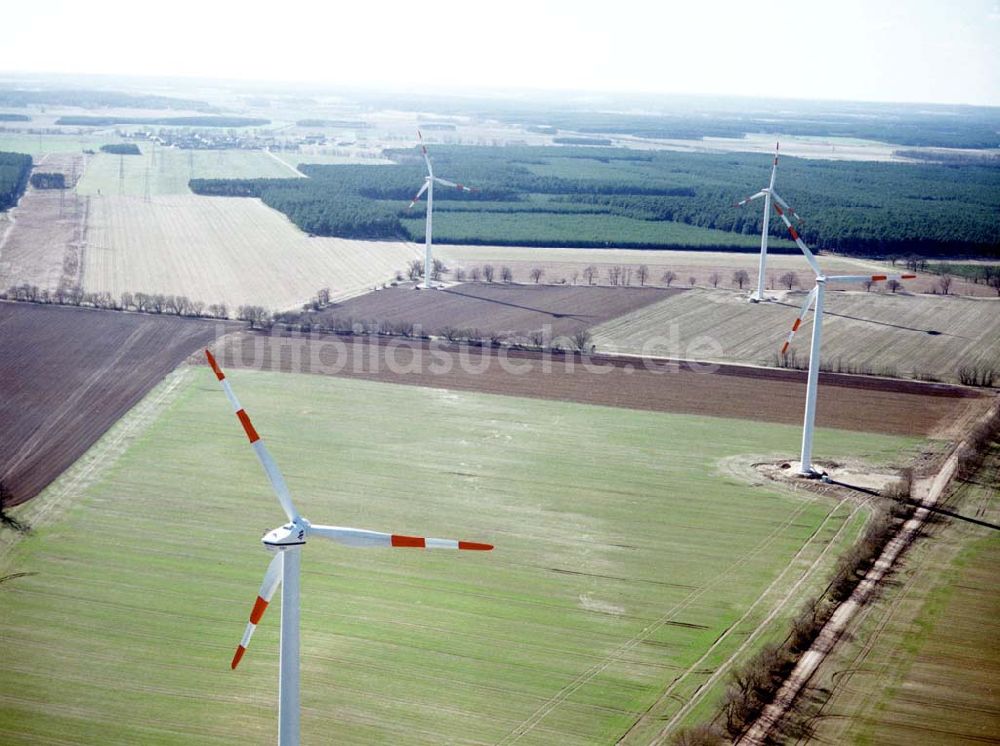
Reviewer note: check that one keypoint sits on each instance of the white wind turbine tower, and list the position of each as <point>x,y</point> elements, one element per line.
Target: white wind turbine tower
<point>768,194</point>
<point>287,542</point>
<point>429,188</point>
<point>816,295</point>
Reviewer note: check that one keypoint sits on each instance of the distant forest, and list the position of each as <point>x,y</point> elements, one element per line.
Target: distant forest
<point>206,121</point>
<point>96,100</point>
<point>654,198</point>
<point>15,169</point>
<point>121,148</point>
<point>48,180</point>
<point>4,117</point>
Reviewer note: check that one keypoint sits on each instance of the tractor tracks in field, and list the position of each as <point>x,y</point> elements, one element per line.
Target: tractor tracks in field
<point>563,694</point>
<point>790,596</point>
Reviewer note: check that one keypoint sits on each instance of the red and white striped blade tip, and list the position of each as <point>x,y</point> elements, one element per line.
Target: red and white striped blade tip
<point>240,650</point>
<point>420,542</point>
<point>215,366</point>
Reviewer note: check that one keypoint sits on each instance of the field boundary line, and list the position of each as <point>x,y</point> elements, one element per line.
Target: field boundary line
<point>557,699</point>
<point>287,165</point>
<point>48,506</point>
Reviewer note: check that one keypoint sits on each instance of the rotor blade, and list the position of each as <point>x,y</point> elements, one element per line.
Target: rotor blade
<point>263,455</point>
<point>798,322</point>
<point>788,209</point>
<point>460,187</point>
<point>272,579</point>
<point>873,278</point>
<point>359,537</point>
<point>774,167</point>
<point>810,257</point>
<point>420,193</point>
<point>751,198</point>
<point>427,158</point>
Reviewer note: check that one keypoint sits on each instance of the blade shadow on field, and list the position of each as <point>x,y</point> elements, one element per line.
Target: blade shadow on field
<point>876,322</point>
<point>553,314</point>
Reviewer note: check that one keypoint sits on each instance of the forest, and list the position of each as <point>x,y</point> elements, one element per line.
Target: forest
<point>48,180</point>
<point>656,199</point>
<point>121,148</point>
<point>96,99</point>
<point>5,117</point>
<point>205,121</point>
<point>14,171</point>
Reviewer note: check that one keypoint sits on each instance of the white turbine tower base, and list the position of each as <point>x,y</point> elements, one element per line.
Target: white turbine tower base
<point>428,187</point>
<point>770,198</point>
<point>816,297</point>
<point>284,570</point>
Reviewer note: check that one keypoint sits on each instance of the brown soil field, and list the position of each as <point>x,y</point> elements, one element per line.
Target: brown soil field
<point>497,307</point>
<point>67,374</point>
<point>846,402</point>
<point>43,244</point>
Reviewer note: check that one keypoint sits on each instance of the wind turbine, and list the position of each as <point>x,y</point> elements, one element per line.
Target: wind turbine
<point>816,296</point>
<point>287,542</point>
<point>768,194</point>
<point>429,188</point>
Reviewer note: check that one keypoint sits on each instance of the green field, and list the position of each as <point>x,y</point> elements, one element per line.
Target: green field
<point>627,543</point>
<point>921,664</point>
<point>574,229</point>
<point>40,145</point>
<point>170,169</point>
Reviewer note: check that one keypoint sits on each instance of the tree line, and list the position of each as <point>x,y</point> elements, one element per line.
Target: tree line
<point>15,168</point>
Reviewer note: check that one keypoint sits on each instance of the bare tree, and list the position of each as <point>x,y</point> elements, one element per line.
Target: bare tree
<point>474,274</point>
<point>323,296</point>
<point>789,280</point>
<point>415,269</point>
<point>196,307</point>
<point>944,283</point>
<point>256,315</point>
<point>626,276</point>
<point>867,284</point>
<point>536,274</point>
<point>642,273</point>
<point>488,272</point>
<point>894,285</point>
<point>459,274</point>
<point>506,274</point>
<point>740,277</point>
<point>692,281</point>
<point>590,272</point>
<point>668,277</point>
<point>582,340</point>
<point>614,274</point>
<point>994,282</point>
<point>715,278</point>
<point>438,269</point>
<point>575,275</point>
<point>127,300</point>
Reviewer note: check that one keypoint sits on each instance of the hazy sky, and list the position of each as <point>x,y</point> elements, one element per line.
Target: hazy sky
<point>934,51</point>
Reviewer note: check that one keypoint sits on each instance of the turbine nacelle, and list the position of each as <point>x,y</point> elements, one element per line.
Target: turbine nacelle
<point>290,535</point>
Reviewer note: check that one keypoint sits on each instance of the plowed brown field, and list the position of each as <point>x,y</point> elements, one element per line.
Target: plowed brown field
<point>846,402</point>
<point>497,307</point>
<point>67,374</point>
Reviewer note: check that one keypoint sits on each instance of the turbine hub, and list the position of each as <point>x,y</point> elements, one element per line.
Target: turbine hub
<point>289,535</point>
